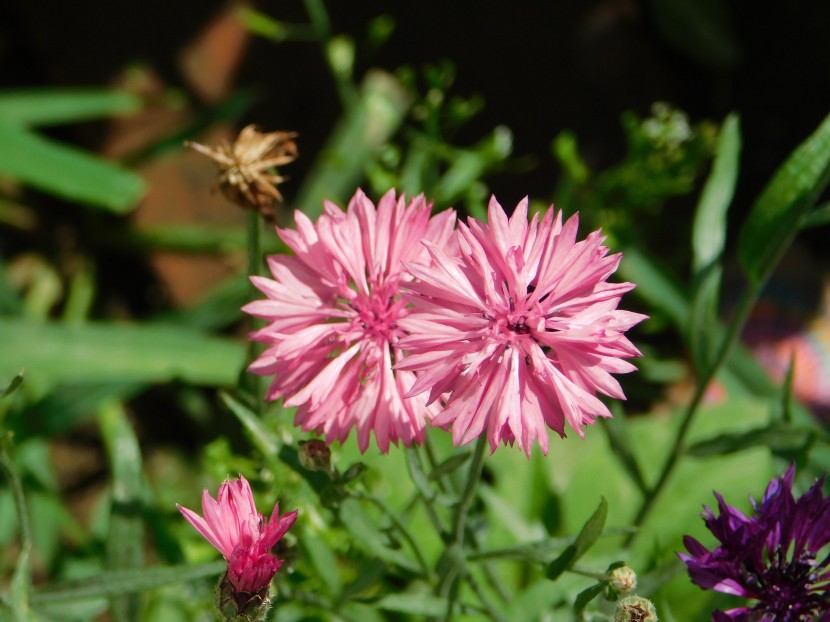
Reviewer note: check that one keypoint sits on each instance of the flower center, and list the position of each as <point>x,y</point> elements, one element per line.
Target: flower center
<point>794,588</point>
<point>378,312</point>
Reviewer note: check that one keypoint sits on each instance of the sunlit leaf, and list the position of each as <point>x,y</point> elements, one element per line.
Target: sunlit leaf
<point>779,211</point>
<point>110,352</point>
<point>591,530</point>
<point>37,107</point>
<point>708,242</point>
<point>67,171</point>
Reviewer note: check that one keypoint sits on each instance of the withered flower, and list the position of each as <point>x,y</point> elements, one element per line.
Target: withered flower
<point>247,176</point>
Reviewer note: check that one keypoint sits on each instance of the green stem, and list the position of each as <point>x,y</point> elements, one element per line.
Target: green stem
<point>247,381</point>
<point>679,446</point>
<point>7,463</point>
<point>416,472</point>
<point>455,563</point>
<point>402,529</point>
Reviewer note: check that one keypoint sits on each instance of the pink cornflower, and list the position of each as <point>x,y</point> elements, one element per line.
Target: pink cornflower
<point>333,313</point>
<point>232,524</point>
<point>521,331</point>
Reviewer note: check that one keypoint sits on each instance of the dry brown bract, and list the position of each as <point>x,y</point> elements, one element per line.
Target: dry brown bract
<point>246,167</point>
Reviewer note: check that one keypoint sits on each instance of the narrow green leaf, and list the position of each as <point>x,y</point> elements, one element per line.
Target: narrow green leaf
<point>111,352</point>
<point>21,587</point>
<point>817,217</point>
<point>414,604</point>
<point>655,285</point>
<point>540,551</point>
<point>126,528</point>
<point>13,384</point>
<point>585,597</point>
<point>591,530</point>
<point>448,466</point>
<point>365,535</point>
<point>317,551</point>
<point>709,239</point>
<point>120,582</point>
<point>38,107</point>
<point>260,437</point>
<point>369,123</point>
<point>780,438</point>
<point>779,211</point>
<point>67,171</point>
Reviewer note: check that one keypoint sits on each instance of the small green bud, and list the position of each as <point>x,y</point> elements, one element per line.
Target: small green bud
<point>622,580</point>
<point>635,609</point>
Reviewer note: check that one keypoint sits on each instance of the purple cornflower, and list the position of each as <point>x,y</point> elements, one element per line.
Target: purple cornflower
<point>770,557</point>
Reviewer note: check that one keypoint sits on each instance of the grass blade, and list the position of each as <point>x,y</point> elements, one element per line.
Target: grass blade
<point>40,107</point>
<point>66,171</point>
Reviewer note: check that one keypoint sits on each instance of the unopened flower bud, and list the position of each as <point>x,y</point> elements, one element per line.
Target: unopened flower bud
<point>315,455</point>
<point>236,606</point>
<point>622,580</point>
<point>635,609</point>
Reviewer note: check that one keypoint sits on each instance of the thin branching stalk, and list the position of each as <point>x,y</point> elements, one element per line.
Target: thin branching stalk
<point>416,472</point>
<point>402,529</point>
<point>734,330</point>
<point>454,563</point>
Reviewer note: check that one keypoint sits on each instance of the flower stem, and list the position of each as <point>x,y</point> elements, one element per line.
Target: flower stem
<point>400,526</point>
<point>734,330</point>
<point>416,472</point>
<point>455,563</point>
<point>247,381</point>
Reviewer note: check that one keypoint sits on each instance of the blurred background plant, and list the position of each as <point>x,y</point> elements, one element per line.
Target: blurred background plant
<point>121,278</point>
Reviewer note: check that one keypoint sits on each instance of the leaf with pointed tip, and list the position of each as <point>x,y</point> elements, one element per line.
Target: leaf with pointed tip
<point>780,210</point>
<point>591,530</point>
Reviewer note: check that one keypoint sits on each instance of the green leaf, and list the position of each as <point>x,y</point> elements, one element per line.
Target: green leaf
<point>817,217</point>
<point>21,587</point>
<point>369,123</point>
<point>13,384</point>
<point>365,535</point>
<point>66,171</point>
<point>584,541</point>
<point>708,241</point>
<point>111,352</point>
<point>120,582</point>
<point>779,211</point>
<point>655,285</point>
<point>778,437</point>
<point>448,466</point>
<point>126,528</point>
<point>585,597</point>
<point>38,107</point>
<point>414,604</point>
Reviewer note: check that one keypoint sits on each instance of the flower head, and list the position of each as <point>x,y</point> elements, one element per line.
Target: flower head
<point>334,312</point>
<point>245,538</point>
<point>521,331</point>
<point>246,167</point>
<point>770,557</point>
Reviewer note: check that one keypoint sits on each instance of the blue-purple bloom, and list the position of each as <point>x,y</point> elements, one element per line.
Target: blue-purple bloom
<point>770,557</point>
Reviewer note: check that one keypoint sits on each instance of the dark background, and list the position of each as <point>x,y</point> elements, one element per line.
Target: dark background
<point>541,66</point>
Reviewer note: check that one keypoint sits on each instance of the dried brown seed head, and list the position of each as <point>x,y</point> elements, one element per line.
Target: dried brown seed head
<point>247,173</point>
